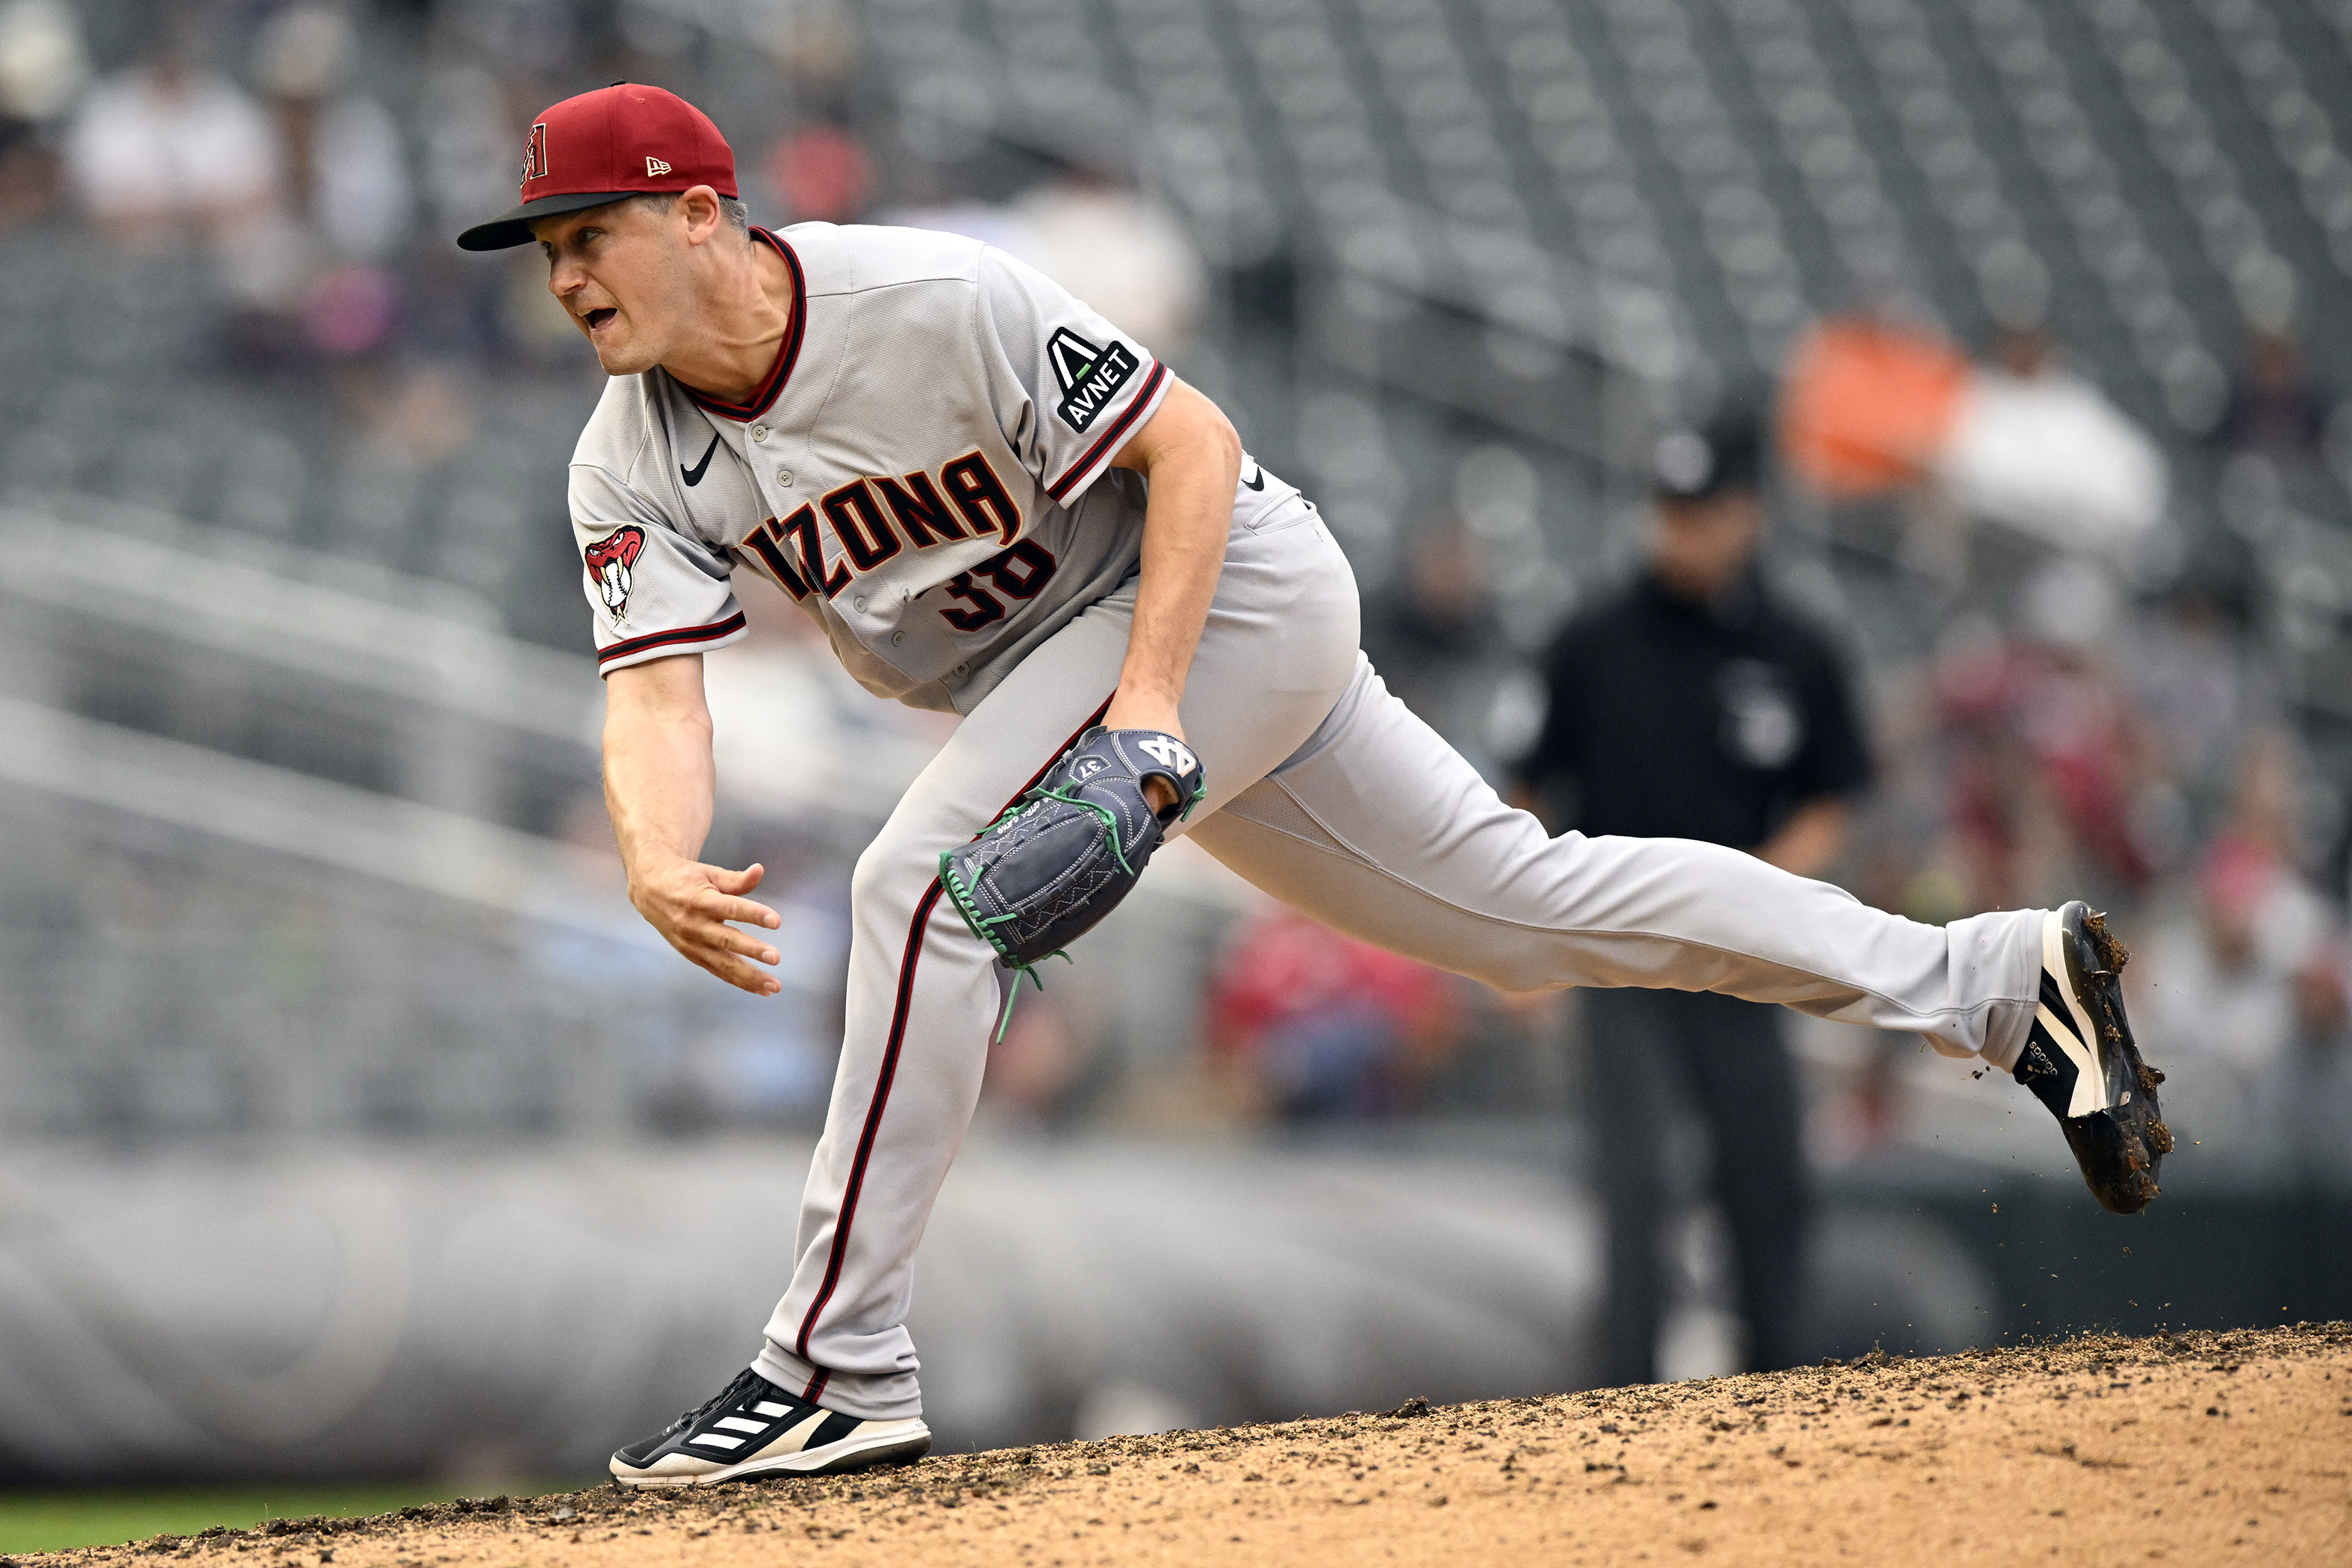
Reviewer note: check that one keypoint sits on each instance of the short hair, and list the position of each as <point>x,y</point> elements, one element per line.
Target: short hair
<point>737,212</point>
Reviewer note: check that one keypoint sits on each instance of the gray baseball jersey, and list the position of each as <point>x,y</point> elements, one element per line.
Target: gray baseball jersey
<point>924,472</point>
<point>926,469</point>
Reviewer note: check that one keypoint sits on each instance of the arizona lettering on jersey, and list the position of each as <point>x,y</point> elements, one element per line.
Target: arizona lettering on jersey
<point>861,514</point>
<point>926,469</point>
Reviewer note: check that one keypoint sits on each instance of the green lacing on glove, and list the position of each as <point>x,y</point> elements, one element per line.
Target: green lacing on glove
<point>1014,994</point>
<point>960,896</point>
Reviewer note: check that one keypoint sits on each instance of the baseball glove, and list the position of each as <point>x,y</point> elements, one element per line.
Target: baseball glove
<point>1064,854</point>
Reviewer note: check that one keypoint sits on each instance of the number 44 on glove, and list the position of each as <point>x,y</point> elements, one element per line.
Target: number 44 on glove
<point>1064,854</point>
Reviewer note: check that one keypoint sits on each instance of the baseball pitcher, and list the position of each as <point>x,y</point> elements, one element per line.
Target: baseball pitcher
<point>998,504</point>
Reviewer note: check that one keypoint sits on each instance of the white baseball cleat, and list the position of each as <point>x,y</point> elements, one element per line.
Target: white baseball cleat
<point>754,1428</point>
<point>2080,1061</point>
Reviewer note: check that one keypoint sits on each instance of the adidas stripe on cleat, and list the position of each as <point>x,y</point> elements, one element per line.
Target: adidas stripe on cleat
<point>2080,1061</point>
<point>754,1428</point>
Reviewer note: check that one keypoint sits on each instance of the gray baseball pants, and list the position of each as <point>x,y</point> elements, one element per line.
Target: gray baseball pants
<point>1327,793</point>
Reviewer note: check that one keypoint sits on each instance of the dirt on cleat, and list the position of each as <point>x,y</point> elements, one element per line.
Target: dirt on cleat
<point>2112,953</point>
<point>2119,1148</point>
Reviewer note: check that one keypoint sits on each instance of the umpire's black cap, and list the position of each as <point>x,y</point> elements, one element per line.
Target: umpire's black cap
<point>1699,463</point>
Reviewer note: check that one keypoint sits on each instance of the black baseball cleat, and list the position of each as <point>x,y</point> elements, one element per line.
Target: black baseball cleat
<point>2080,1060</point>
<point>754,1428</point>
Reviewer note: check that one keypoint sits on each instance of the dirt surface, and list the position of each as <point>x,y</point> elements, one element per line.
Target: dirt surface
<point>2192,1448</point>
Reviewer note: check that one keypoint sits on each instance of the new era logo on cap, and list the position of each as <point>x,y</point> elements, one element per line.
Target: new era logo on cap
<point>598,147</point>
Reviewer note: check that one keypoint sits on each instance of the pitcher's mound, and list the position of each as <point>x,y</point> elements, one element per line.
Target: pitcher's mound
<point>2195,1447</point>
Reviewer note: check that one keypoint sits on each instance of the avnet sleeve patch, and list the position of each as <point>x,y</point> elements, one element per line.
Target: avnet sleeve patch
<point>1088,375</point>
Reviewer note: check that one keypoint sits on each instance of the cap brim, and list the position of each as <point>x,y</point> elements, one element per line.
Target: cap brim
<point>512,228</point>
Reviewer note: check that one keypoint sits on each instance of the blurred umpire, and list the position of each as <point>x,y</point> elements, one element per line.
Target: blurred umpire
<point>1692,704</point>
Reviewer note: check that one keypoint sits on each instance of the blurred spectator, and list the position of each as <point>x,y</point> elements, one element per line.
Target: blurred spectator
<point>2045,753</point>
<point>2040,449</point>
<point>168,148</point>
<point>1873,407</point>
<point>820,173</point>
<point>345,175</point>
<point>42,62</point>
<point>1692,705</point>
<point>1868,405</point>
<point>42,67</point>
<point>1434,635</point>
<point>2250,980</point>
<point>308,269</point>
<point>1308,1023</point>
<point>2274,409</point>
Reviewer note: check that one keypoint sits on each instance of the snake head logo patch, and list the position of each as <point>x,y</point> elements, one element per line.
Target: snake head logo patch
<point>1088,375</point>
<point>609,563</point>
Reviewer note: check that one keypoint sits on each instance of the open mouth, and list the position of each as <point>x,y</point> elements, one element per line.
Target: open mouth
<point>597,318</point>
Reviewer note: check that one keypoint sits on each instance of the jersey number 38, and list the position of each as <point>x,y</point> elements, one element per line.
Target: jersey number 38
<point>1019,572</point>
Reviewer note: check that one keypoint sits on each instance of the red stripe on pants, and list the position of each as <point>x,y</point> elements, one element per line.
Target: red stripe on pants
<point>882,1082</point>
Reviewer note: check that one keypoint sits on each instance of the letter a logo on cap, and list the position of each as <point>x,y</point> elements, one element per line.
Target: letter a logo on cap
<point>534,154</point>
<point>655,166</point>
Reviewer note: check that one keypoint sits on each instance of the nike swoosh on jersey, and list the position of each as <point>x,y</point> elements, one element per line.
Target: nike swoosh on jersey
<point>693,476</point>
<point>1259,483</point>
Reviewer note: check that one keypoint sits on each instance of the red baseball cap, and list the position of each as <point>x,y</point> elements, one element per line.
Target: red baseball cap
<point>618,142</point>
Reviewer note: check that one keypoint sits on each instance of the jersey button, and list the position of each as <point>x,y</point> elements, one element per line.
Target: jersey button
<point>784,476</point>
<point>897,637</point>
<point>858,603</point>
<point>759,432</point>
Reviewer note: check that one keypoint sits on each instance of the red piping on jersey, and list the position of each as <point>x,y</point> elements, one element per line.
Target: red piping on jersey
<point>882,1080</point>
<point>1109,438</point>
<point>711,633</point>
<point>786,353</point>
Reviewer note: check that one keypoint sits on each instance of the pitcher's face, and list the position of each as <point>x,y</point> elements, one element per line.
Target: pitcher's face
<point>621,272</point>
